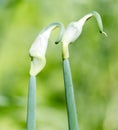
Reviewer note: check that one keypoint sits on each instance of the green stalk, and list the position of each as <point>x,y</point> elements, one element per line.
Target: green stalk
<point>31,106</point>
<point>69,93</point>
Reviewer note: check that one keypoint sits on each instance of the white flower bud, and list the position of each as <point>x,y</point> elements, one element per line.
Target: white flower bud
<point>38,49</point>
<point>74,30</point>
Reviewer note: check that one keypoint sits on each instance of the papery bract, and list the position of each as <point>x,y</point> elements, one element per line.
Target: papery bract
<point>74,29</point>
<point>38,49</point>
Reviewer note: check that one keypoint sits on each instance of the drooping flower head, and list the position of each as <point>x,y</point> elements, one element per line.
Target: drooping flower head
<point>74,29</point>
<point>38,49</point>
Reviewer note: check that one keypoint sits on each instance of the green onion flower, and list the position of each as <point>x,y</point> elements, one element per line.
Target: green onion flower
<point>39,47</point>
<point>38,61</point>
<point>74,30</point>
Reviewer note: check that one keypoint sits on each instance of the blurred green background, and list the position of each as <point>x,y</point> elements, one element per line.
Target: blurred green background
<point>93,59</point>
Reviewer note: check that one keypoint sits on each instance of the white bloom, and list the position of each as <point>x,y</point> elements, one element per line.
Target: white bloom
<point>74,30</point>
<point>39,47</point>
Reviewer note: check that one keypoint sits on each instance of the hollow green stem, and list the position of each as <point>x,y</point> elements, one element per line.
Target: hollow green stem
<point>69,93</point>
<point>31,106</point>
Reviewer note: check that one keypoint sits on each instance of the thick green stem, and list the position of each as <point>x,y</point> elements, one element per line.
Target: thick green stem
<point>69,92</point>
<point>31,106</point>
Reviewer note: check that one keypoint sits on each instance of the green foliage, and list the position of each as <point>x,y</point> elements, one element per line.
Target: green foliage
<point>93,60</point>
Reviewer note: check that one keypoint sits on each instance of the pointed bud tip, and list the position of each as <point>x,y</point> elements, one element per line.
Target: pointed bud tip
<point>104,33</point>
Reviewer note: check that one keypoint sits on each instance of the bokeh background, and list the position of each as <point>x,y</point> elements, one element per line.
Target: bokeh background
<point>93,60</point>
